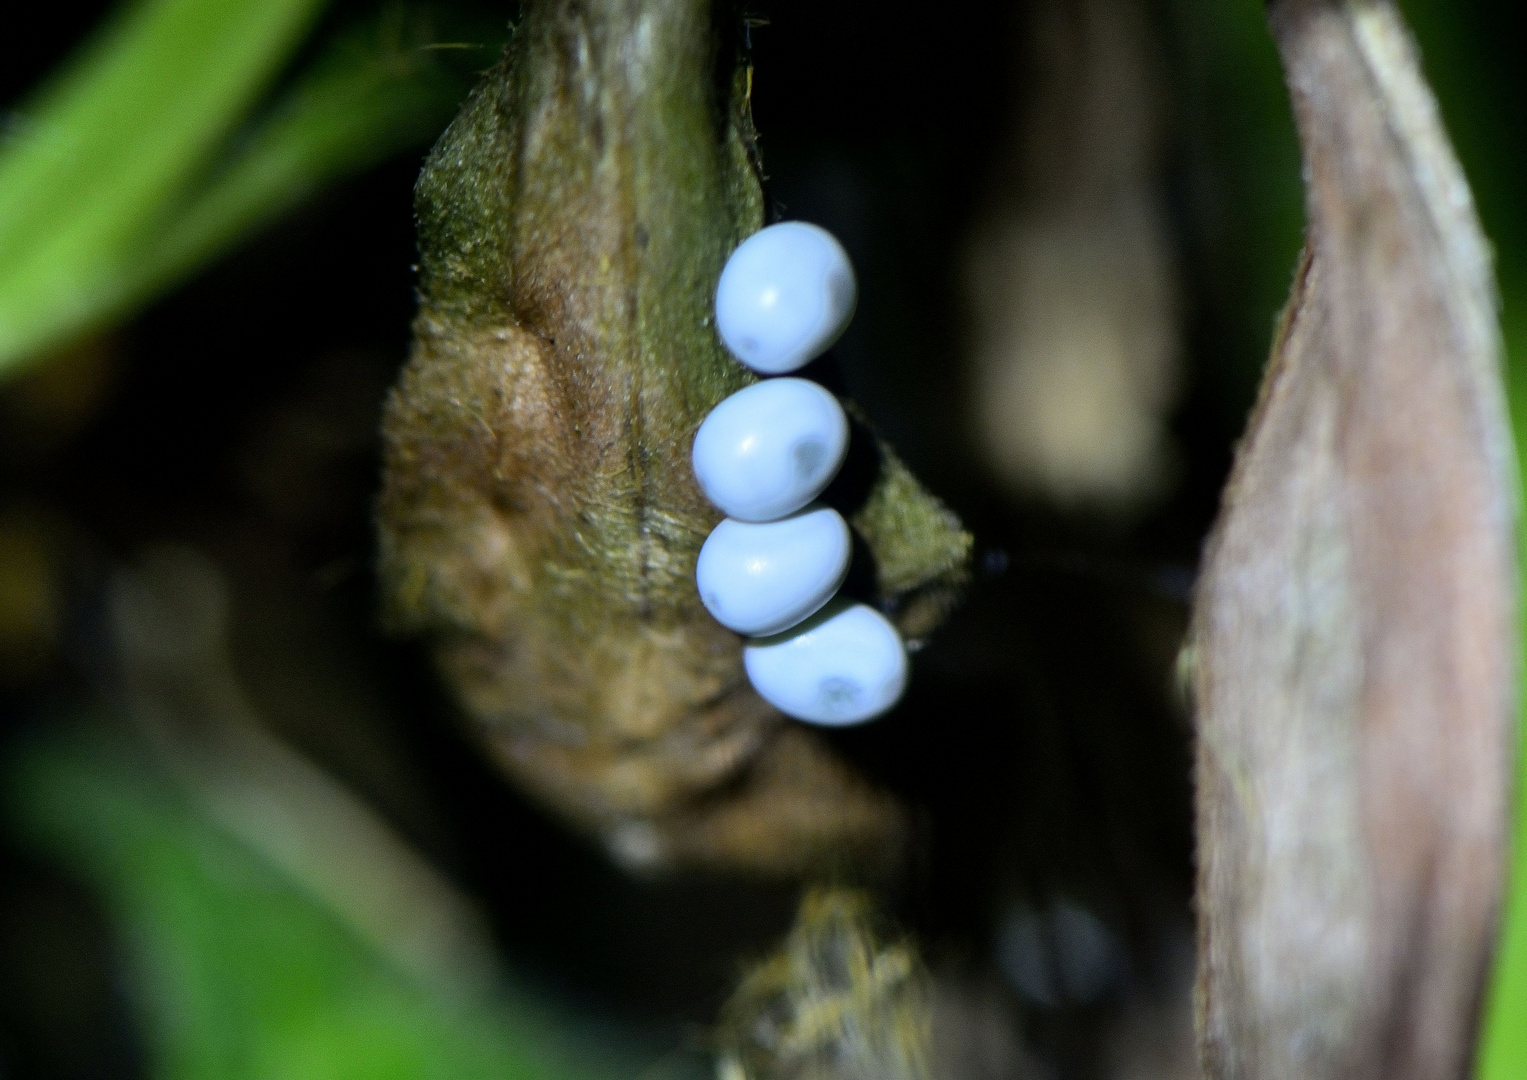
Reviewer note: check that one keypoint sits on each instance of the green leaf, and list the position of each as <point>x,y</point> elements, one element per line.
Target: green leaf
<point>374,93</point>
<point>1503,1039</point>
<point>111,140</point>
<point>237,971</point>
<point>140,165</point>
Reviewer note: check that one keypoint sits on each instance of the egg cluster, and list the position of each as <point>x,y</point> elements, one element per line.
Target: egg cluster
<point>773,568</point>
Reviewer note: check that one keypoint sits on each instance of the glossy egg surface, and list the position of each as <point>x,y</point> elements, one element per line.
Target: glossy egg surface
<point>785,295</point>
<point>762,578</point>
<point>771,448</point>
<point>844,665</point>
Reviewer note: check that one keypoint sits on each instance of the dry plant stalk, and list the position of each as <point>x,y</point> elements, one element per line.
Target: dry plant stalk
<point>1070,269</point>
<point>539,519</point>
<point>837,1002</point>
<point>1354,632</point>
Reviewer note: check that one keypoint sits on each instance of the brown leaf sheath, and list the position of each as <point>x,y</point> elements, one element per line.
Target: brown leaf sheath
<point>1354,629</point>
<point>538,516</point>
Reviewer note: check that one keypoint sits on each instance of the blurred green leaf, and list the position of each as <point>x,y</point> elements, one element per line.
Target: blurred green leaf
<point>236,971</point>
<point>124,175</point>
<point>374,93</point>
<point>1503,1049</point>
<point>120,132</point>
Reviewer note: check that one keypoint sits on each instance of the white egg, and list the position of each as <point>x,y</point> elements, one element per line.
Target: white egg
<point>770,449</point>
<point>844,665</point>
<point>785,296</point>
<point>763,578</point>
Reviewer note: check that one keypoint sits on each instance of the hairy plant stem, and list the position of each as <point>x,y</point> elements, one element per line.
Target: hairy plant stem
<point>539,519</point>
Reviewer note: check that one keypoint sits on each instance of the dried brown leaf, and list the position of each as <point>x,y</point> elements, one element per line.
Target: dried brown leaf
<point>836,1002</point>
<point>1354,629</point>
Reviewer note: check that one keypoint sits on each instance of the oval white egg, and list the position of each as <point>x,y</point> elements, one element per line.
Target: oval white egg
<point>762,578</point>
<point>786,294</point>
<point>845,665</point>
<point>771,448</point>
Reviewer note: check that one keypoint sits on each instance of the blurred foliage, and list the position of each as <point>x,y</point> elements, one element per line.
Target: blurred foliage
<point>236,970</point>
<point>140,162</point>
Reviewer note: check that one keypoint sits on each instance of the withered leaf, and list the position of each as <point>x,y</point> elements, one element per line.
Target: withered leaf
<point>838,1001</point>
<point>538,516</point>
<point>1354,629</point>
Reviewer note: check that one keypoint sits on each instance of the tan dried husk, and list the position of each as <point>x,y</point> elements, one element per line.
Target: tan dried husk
<point>836,1002</point>
<point>1070,271</point>
<point>1354,632</point>
<point>538,518</point>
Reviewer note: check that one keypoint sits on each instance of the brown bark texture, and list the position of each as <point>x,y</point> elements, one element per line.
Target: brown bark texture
<point>1354,640</point>
<point>539,519</point>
